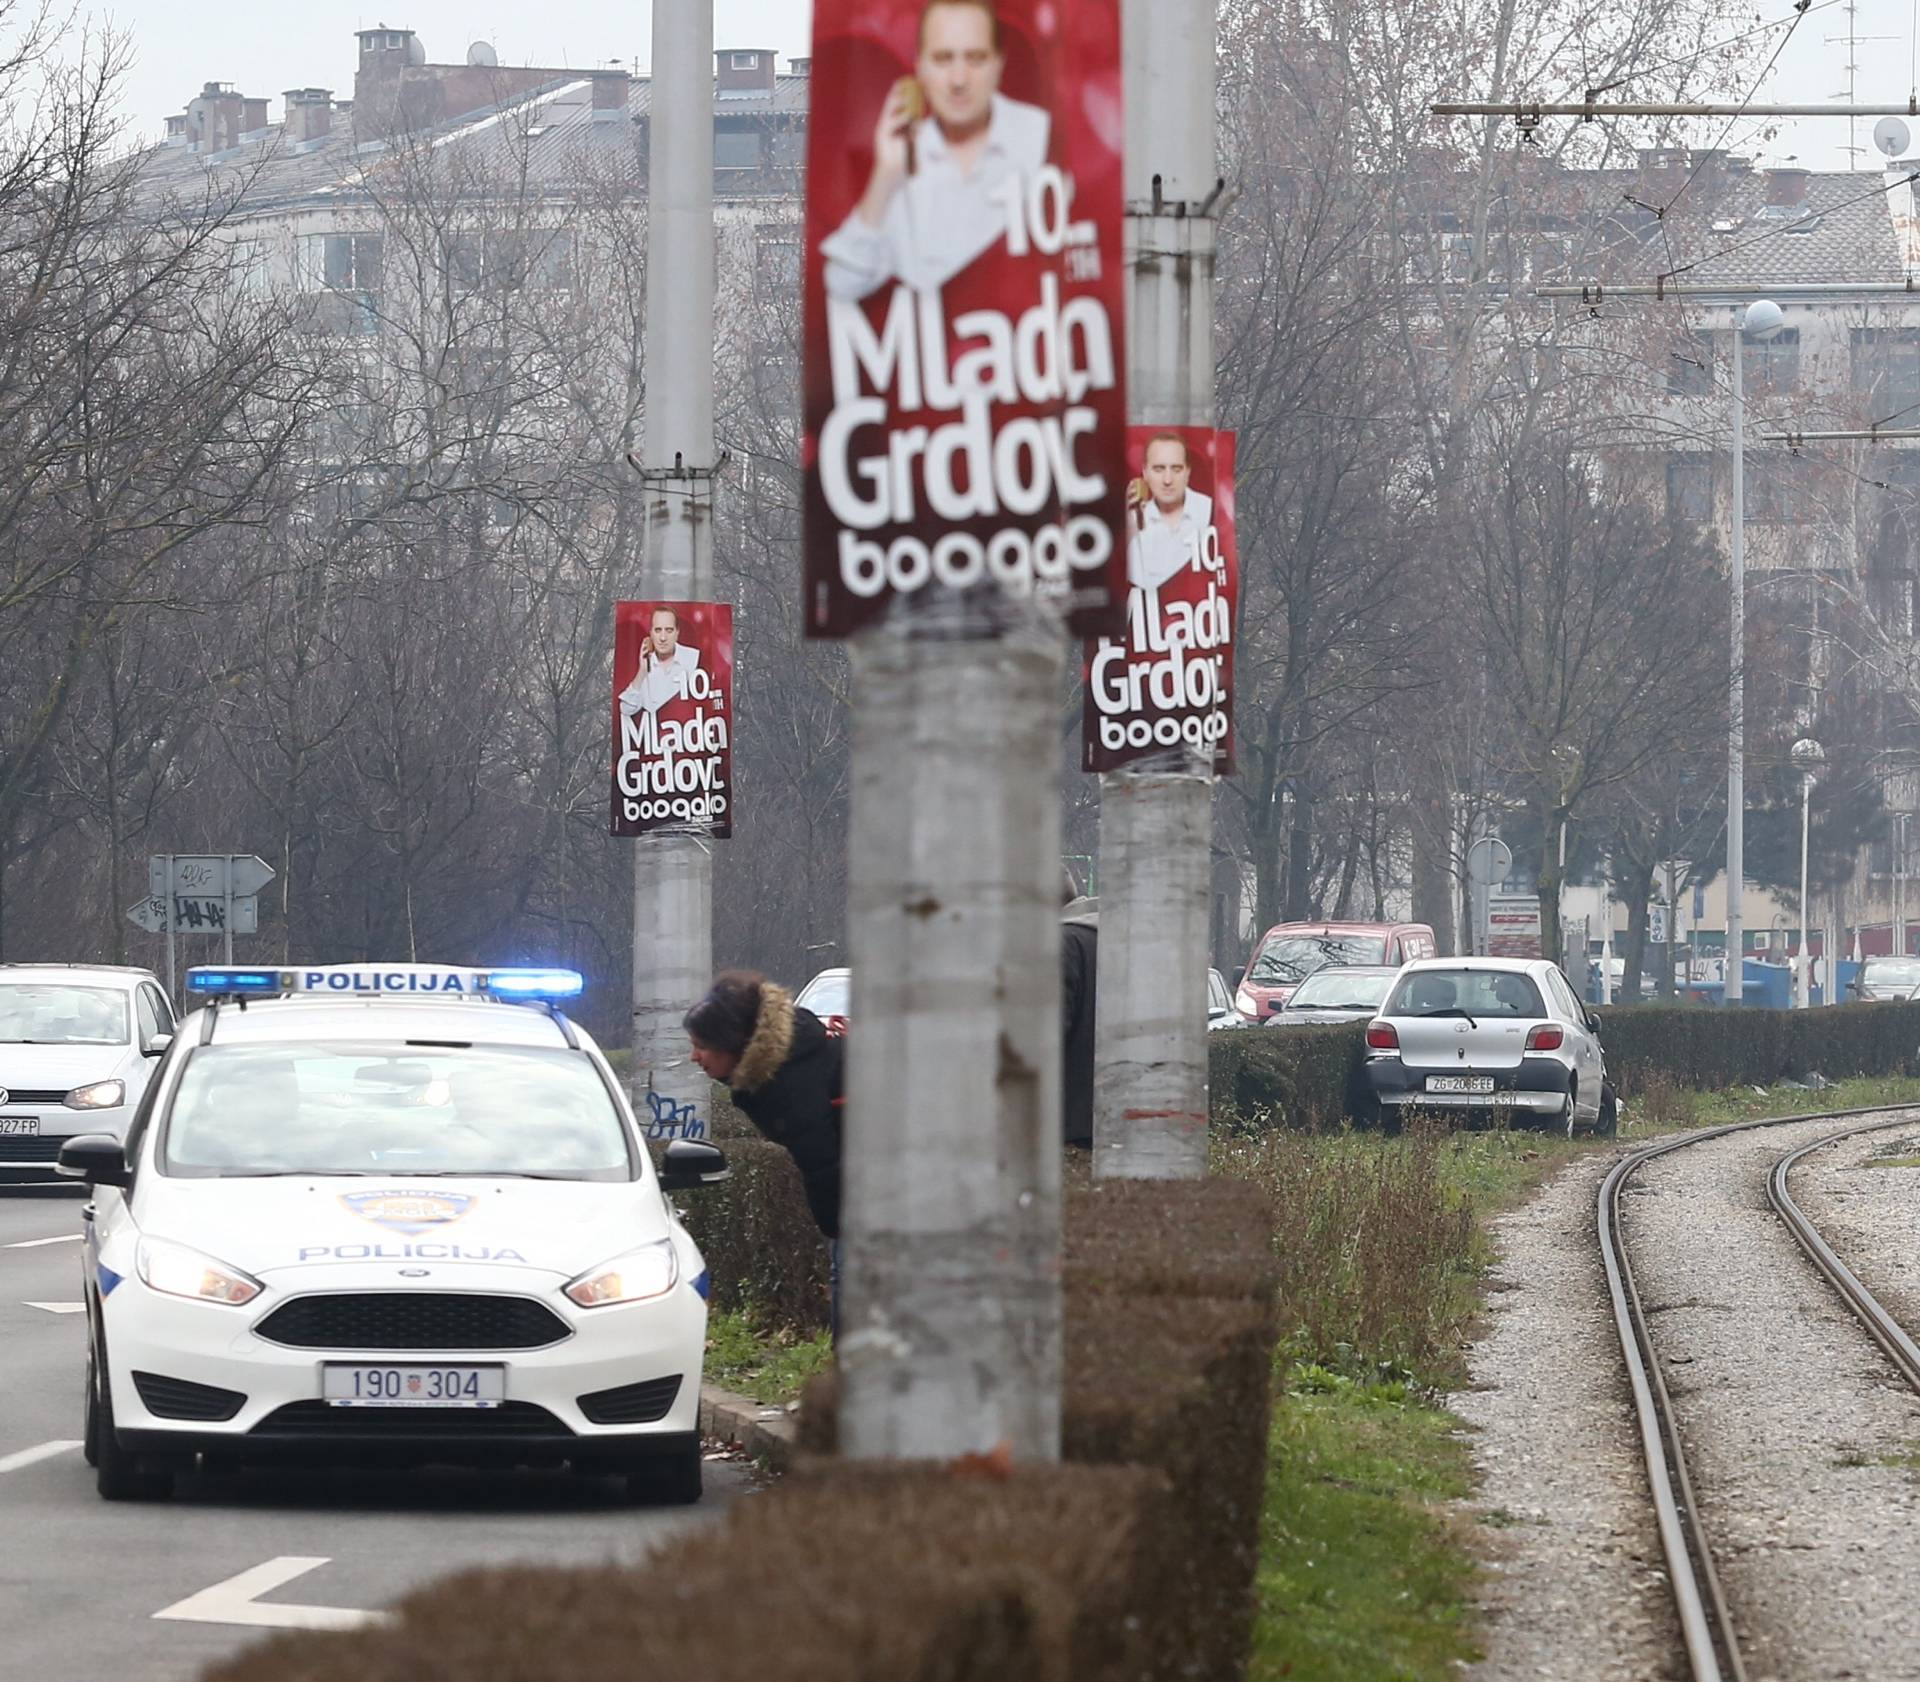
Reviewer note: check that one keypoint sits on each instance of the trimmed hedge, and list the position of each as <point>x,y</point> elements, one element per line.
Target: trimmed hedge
<point>1310,1079</point>
<point>1698,1045</point>
<point>844,1574</point>
<point>1134,1562</point>
<point>759,1240</point>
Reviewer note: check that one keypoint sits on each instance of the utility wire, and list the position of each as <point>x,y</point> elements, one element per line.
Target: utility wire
<point>1787,24</point>
<point>1799,12</point>
<point>1787,227</point>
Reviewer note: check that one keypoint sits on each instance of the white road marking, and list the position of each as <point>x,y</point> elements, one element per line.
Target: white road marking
<point>35,1243</point>
<point>236,1601</point>
<point>59,1307</point>
<point>33,1456</point>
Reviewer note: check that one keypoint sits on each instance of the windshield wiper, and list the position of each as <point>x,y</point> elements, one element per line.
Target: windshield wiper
<point>1452,1010</point>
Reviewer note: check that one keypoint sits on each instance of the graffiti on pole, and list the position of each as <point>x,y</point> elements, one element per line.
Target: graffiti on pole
<point>966,358</point>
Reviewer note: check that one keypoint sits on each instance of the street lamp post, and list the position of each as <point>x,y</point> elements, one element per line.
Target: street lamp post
<point>1809,756</point>
<point>1900,883</point>
<point>1762,320</point>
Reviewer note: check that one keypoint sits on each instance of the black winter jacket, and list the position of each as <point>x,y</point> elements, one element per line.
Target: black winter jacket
<point>791,1084</point>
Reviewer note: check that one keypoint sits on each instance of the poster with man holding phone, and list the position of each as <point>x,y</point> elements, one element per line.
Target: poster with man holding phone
<point>965,378</point>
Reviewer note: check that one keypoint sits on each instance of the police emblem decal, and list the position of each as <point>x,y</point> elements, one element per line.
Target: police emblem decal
<point>408,1212</point>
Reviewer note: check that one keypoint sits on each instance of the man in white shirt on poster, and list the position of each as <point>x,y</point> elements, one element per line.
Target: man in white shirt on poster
<point>666,666</point>
<point>1169,519</point>
<point>937,198</point>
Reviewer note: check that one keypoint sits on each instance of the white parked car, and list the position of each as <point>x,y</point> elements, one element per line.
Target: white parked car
<point>78,1044</point>
<point>383,1214</point>
<point>828,994</point>
<point>1495,1036</point>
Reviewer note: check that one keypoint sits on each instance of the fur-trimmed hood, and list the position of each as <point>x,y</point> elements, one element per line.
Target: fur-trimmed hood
<point>772,1040</point>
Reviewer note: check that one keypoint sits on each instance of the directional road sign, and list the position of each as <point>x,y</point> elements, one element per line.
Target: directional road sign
<point>196,914</point>
<point>204,875</point>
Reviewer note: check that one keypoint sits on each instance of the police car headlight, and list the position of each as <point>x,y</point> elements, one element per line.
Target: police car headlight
<point>181,1272</point>
<point>102,1095</point>
<point>647,1272</point>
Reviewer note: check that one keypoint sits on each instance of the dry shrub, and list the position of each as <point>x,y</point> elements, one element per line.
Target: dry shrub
<point>1370,1244</point>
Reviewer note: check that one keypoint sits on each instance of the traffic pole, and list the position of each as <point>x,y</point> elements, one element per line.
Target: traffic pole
<point>1150,1063</point>
<point>673,871</point>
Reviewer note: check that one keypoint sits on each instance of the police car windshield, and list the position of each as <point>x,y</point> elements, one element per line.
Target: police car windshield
<point>340,1108</point>
<point>33,1013</point>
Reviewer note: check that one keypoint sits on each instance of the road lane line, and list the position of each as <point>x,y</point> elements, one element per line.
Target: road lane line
<point>235,1601</point>
<point>35,1243</point>
<point>33,1456</point>
<point>58,1307</point>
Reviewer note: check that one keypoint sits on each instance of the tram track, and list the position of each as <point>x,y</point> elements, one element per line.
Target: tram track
<point>1707,1627</point>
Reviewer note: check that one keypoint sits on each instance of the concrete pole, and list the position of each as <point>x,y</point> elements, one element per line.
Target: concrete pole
<point>1736,696</point>
<point>950,1323</point>
<point>1804,975</point>
<point>1150,1071</point>
<point>673,874</point>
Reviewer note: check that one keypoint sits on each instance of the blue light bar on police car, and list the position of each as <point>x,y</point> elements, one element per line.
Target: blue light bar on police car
<point>236,983</point>
<point>362,980</point>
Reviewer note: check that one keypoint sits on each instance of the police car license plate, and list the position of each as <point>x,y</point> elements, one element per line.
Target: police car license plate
<point>414,1387</point>
<point>14,1126</point>
<point>1459,1083</point>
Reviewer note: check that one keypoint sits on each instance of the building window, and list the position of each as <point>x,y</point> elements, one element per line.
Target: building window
<point>1773,364</point>
<point>745,61</point>
<point>1886,370</point>
<point>341,262</point>
<point>1781,488</point>
<point>1690,490</point>
<point>510,260</point>
<point>735,148</point>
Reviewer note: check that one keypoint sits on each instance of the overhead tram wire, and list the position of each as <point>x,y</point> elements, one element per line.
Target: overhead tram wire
<point>1786,23</point>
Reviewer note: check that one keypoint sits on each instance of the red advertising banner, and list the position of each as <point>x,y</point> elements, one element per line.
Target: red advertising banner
<point>673,718</point>
<point>966,346</point>
<point>1169,679</point>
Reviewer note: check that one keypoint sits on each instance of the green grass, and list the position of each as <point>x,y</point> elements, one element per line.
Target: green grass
<point>1674,1108</point>
<point>768,1366</point>
<point>1362,1577</point>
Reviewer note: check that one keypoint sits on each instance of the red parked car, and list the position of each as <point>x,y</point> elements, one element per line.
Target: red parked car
<point>1290,952</point>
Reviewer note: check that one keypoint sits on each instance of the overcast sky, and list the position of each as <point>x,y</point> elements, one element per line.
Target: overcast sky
<point>265,49</point>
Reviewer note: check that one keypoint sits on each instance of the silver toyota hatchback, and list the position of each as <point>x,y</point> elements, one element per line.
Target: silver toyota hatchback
<point>1501,1037</point>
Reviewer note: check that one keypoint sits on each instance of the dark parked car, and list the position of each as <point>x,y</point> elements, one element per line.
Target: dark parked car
<point>1338,993</point>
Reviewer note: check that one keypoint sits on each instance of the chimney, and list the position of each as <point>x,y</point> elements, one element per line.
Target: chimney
<point>799,67</point>
<point>1787,188</point>
<point>215,119</point>
<point>177,130</point>
<point>611,91</point>
<point>309,115</point>
<point>1662,166</point>
<point>253,117</point>
<point>744,72</point>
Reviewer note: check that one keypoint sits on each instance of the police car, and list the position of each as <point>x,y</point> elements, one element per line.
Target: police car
<point>381,1214</point>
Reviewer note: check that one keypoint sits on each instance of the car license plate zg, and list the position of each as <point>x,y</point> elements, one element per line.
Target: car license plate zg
<point>413,1386</point>
<point>19,1126</point>
<point>1459,1083</point>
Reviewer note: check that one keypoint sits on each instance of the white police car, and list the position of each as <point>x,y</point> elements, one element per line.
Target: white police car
<point>382,1214</point>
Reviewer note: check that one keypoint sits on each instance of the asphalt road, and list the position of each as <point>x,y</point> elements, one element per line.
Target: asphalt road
<point>147,1593</point>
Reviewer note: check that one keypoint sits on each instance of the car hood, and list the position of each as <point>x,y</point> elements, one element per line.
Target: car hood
<point>45,1067</point>
<point>279,1229</point>
<point>1320,1018</point>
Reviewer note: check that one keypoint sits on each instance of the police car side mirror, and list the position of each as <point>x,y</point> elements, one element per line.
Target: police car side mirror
<point>157,1046</point>
<point>689,1165</point>
<point>98,1158</point>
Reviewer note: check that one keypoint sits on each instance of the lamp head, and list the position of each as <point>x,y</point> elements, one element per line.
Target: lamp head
<point>1808,754</point>
<point>1763,320</point>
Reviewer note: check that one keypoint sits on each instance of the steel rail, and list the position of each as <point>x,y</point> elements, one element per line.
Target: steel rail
<point>1881,1326</point>
<point>1706,1626</point>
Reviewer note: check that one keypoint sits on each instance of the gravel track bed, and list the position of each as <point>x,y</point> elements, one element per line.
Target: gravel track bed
<point>1576,1587</point>
<point>1792,1418</point>
<point>1870,1215</point>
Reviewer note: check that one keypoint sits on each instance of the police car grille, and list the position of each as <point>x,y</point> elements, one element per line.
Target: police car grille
<point>412,1320</point>
<point>43,1148</point>
<point>632,1404</point>
<point>181,1398</point>
<point>307,1420</point>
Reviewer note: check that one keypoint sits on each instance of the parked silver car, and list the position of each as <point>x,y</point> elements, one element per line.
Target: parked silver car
<point>1494,1036</point>
<point>1338,993</point>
